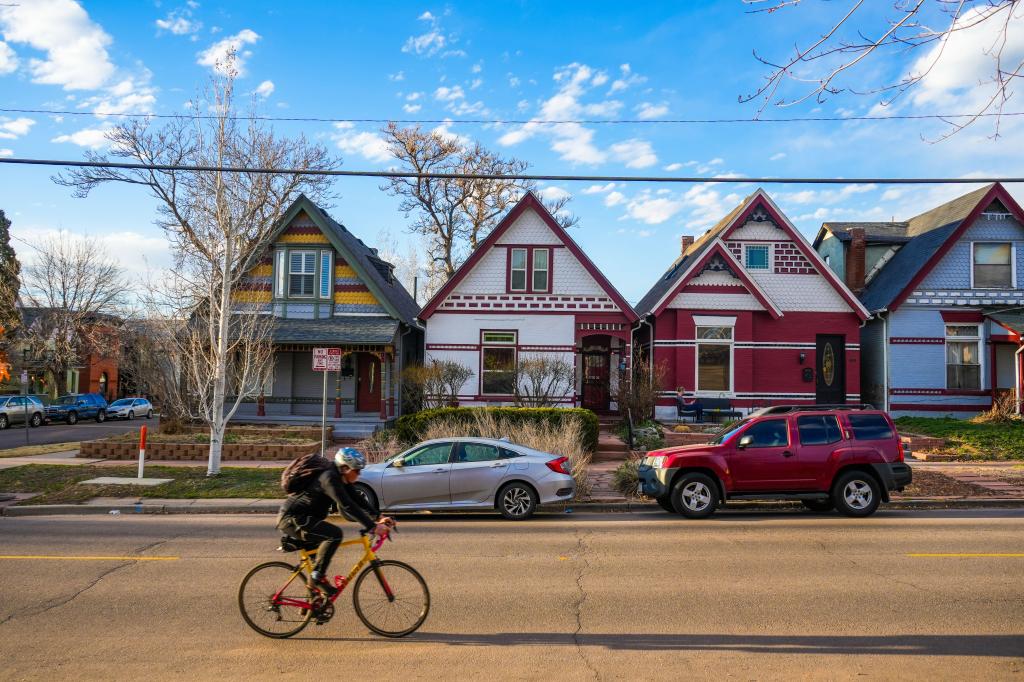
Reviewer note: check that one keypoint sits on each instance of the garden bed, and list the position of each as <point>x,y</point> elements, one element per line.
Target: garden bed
<point>970,440</point>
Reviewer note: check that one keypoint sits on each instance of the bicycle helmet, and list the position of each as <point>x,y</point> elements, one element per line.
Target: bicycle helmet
<point>351,458</point>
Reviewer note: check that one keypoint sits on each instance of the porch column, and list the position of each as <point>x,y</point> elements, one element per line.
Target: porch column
<point>383,386</point>
<point>337,394</point>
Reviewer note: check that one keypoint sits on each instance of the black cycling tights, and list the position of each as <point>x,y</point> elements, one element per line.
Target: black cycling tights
<point>327,534</point>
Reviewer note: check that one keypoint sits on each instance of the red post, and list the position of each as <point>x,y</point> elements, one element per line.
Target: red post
<point>142,438</point>
<point>261,410</point>
<point>337,407</point>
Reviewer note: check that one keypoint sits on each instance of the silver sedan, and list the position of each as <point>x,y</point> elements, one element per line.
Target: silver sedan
<point>468,473</point>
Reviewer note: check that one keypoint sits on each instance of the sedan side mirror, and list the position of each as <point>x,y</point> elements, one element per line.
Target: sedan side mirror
<point>745,442</point>
<point>398,463</point>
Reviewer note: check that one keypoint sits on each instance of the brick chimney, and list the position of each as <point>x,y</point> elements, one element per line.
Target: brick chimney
<point>685,242</point>
<point>855,259</point>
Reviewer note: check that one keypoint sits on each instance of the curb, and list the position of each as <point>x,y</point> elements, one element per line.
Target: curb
<point>586,507</point>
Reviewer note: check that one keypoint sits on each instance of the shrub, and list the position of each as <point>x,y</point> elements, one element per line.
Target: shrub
<point>626,477</point>
<point>381,445</point>
<point>562,438</point>
<point>1003,411</point>
<point>435,384</point>
<point>411,427</point>
<point>638,390</point>
<point>543,381</point>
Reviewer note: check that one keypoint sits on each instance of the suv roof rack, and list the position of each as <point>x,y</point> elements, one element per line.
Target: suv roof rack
<point>784,409</point>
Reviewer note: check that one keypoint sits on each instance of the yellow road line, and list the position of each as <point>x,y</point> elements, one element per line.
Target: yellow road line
<point>977,554</point>
<point>41,557</point>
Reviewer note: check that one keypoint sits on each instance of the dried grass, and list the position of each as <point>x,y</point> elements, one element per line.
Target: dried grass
<point>566,439</point>
<point>380,446</point>
<point>1003,411</point>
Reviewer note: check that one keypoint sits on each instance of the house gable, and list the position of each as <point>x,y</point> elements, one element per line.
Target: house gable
<point>483,283</point>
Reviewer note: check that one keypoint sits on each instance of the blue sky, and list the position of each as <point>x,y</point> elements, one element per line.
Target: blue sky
<point>495,60</point>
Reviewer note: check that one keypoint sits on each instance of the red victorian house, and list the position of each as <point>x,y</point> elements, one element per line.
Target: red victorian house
<point>750,312</point>
<point>529,291</point>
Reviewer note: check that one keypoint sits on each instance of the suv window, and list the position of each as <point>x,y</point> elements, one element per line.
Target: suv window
<point>821,429</point>
<point>771,433</point>
<point>870,427</point>
<point>476,452</point>
<point>430,454</point>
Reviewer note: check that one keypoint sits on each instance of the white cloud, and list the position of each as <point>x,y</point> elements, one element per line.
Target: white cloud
<point>265,89</point>
<point>446,94</point>
<point>599,189</point>
<point>648,110</point>
<point>8,60</point>
<point>411,108</point>
<point>600,78</point>
<point>890,194</point>
<point>426,16</point>
<point>75,47</point>
<point>673,167</point>
<point>13,128</point>
<point>604,109</point>
<point>413,96</point>
<point>215,56</point>
<point>463,108</point>
<point>777,157</point>
<point>6,152</point>
<point>826,196</point>
<point>130,94</point>
<point>94,138</point>
<point>368,145</point>
<point>400,76</point>
<point>476,83</point>
<point>614,199</point>
<point>180,24</point>
<point>477,68</point>
<point>554,193</point>
<point>635,153</point>
<point>139,254</point>
<point>426,44</point>
<point>626,79</point>
<point>653,211</point>
<point>644,233</point>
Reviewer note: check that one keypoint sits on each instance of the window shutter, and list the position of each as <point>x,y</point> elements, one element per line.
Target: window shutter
<point>280,274</point>
<point>326,274</point>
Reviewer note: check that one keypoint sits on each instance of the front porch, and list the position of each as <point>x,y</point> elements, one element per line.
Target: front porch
<point>357,425</point>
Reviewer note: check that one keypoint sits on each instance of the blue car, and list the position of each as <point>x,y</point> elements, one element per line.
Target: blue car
<point>71,408</point>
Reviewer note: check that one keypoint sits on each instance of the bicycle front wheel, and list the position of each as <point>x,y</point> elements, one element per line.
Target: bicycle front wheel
<point>391,598</point>
<point>271,599</point>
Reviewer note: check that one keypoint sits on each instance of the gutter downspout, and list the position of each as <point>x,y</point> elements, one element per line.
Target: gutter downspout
<point>1017,381</point>
<point>650,358</point>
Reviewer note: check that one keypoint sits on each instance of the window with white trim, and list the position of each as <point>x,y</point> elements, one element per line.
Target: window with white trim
<point>755,257</point>
<point>301,273</point>
<point>517,270</point>
<point>541,269</point>
<point>993,265</point>
<point>963,357</point>
<point>714,358</point>
<point>498,362</point>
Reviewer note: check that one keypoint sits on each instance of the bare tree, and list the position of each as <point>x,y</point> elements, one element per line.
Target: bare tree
<point>840,48</point>
<point>454,214</point>
<point>219,225</point>
<point>543,381</point>
<point>79,293</point>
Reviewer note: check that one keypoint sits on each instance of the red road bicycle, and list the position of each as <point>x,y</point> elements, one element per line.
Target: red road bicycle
<point>278,599</point>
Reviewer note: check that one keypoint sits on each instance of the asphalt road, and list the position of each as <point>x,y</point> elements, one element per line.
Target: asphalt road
<point>59,432</point>
<point>646,596</point>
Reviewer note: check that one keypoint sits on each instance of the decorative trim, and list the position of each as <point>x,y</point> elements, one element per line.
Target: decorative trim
<point>938,391</point>
<point>963,316</point>
<point>917,340</point>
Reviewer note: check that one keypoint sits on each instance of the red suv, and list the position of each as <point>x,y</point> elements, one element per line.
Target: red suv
<point>842,457</point>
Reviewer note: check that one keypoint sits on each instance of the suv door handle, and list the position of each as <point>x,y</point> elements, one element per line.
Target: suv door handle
<point>787,453</point>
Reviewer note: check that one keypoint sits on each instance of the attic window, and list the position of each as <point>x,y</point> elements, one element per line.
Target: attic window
<point>993,265</point>
<point>755,256</point>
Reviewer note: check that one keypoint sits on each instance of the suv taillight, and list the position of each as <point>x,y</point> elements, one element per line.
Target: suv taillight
<point>558,465</point>
<point>899,451</point>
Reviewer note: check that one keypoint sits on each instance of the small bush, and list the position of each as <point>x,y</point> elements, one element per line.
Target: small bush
<point>1003,411</point>
<point>626,478</point>
<point>647,435</point>
<point>411,428</point>
<point>381,445</point>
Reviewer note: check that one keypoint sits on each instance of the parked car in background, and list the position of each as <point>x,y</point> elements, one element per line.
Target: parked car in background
<point>842,457</point>
<point>14,409</point>
<point>130,408</point>
<point>70,408</point>
<point>468,473</point>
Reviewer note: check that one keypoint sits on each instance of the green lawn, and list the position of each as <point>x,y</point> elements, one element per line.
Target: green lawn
<point>59,483</point>
<point>972,440</point>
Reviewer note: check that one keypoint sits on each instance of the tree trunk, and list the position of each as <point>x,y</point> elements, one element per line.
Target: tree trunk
<point>217,422</point>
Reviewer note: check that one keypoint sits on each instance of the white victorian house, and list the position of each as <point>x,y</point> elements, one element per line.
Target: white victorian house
<point>527,291</point>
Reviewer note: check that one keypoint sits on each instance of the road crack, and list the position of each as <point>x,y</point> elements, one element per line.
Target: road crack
<point>583,567</point>
<point>61,601</point>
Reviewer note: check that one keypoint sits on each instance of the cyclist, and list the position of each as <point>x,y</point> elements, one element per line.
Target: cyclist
<point>302,516</point>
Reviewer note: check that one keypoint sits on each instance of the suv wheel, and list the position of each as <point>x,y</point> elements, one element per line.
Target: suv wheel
<point>72,418</point>
<point>4,421</point>
<point>665,502</point>
<point>101,416</point>
<point>856,493</point>
<point>819,505</point>
<point>695,496</point>
<point>517,501</point>
<point>36,420</point>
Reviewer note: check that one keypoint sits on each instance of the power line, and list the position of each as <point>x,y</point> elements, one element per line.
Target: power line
<point>482,121</point>
<point>509,176</point>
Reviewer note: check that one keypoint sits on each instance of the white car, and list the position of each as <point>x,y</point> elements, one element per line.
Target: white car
<point>130,408</point>
<point>468,473</point>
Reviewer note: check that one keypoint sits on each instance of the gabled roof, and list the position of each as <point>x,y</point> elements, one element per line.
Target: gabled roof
<point>656,297</point>
<point>874,233</point>
<point>932,234</point>
<point>392,295</point>
<point>696,266</point>
<point>529,200</point>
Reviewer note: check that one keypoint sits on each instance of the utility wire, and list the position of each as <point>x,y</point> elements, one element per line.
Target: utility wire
<point>508,176</point>
<point>481,121</point>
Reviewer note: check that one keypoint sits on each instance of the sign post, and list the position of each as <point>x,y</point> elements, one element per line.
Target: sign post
<point>325,360</point>
<point>24,385</point>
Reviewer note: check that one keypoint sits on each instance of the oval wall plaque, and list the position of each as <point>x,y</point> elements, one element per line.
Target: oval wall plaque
<point>828,364</point>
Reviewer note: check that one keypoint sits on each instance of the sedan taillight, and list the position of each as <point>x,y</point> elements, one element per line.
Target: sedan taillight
<point>558,465</point>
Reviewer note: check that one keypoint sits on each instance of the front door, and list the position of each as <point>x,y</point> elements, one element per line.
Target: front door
<point>830,370</point>
<point>595,380</point>
<point>421,480</point>
<point>368,380</point>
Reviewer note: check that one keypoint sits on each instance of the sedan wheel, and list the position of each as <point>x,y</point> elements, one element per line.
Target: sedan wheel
<point>695,496</point>
<point>149,415</point>
<point>4,422</point>
<point>517,501</point>
<point>131,415</point>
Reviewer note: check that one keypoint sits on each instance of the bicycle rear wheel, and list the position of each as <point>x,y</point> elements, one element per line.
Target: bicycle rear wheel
<point>391,598</point>
<point>267,616</point>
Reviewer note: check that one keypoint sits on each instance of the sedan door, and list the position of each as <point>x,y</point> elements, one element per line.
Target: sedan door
<point>477,470</point>
<point>419,479</point>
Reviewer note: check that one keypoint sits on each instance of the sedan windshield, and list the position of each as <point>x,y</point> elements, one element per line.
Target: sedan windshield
<point>121,403</point>
<point>728,431</point>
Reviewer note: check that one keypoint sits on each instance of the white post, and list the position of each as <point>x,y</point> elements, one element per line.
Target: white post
<point>323,419</point>
<point>142,451</point>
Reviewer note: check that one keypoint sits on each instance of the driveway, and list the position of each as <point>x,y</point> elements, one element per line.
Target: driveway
<point>62,433</point>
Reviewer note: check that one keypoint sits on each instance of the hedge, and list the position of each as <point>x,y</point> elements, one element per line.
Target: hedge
<point>410,427</point>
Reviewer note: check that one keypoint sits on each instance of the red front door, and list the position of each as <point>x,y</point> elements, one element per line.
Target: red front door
<point>595,380</point>
<point>368,380</point>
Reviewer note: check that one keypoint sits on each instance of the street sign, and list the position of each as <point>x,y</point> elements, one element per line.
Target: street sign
<point>326,359</point>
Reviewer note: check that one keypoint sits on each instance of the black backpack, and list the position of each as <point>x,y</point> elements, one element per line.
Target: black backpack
<point>297,476</point>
